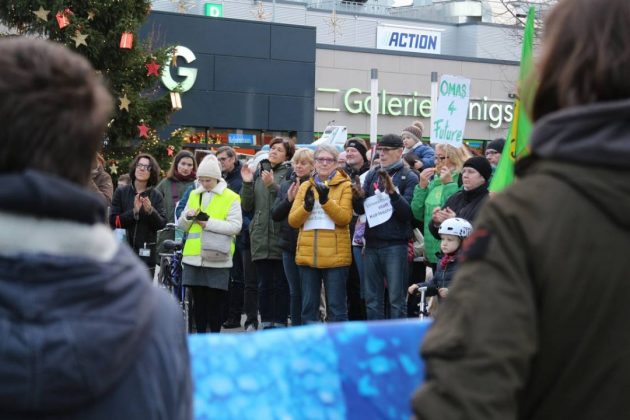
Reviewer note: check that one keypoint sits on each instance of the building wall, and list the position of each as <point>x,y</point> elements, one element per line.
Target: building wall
<point>400,75</point>
<point>251,75</point>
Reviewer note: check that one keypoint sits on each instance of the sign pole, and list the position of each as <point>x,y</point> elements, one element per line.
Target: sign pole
<point>373,105</point>
<point>434,97</point>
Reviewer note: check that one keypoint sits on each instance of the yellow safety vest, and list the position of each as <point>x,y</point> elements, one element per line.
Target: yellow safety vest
<point>218,208</point>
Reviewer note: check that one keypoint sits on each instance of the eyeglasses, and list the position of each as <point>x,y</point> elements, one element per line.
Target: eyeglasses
<point>223,159</point>
<point>386,149</point>
<point>143,167</point>
<point>441,157</point>
<point>327,161</point>
<point>491,152</point>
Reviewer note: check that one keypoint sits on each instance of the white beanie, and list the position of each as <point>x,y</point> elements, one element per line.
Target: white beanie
<point>209,167</point>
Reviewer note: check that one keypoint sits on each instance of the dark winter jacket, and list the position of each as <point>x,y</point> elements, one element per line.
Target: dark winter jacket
<point>258,199</point>
<point>280,214</point>
<point>523,333</point>
<point>172,191</point>
<point>398,229</point>
<point>352,173</point>
<point>441,278</point>
<point>83,333</point>
<point>143,230</point>
<point>465,204</point>
<point>234,178</point>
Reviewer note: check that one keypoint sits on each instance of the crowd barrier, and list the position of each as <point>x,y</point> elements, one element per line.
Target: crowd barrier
<point>362,370</point>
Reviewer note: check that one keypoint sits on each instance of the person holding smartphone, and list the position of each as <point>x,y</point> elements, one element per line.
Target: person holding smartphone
<point>259,191</point>
<point>139,208</point>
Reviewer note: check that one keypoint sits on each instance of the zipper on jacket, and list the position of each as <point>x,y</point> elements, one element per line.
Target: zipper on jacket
<point>315,249</point>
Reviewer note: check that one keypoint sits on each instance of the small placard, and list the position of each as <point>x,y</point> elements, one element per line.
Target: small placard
<point>318,219</point>
<point>378,209</point>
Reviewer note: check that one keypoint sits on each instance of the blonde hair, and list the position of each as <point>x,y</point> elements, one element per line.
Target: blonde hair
<point>302,155</point>
<point>457,156</point>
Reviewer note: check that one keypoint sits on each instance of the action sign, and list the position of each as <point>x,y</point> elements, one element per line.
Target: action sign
<point>447,126</point>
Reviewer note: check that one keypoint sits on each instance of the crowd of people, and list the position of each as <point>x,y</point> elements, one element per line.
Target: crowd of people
<point>531,284</point>
<point>304,242</point>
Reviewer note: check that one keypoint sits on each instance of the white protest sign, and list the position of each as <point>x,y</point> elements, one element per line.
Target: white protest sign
<point>449,121</point>
<point>378,209</point>
<point>318,219</point>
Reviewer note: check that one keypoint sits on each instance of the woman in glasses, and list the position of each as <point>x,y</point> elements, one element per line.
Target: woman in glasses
<point>139,208</point>
<point>322,210</point>
<point>436,185</point>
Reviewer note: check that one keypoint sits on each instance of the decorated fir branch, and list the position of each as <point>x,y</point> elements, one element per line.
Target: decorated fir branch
<point>106,33</point>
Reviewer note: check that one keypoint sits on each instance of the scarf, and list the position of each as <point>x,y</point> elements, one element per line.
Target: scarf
<point>448,259</point>
<point>184,178</point>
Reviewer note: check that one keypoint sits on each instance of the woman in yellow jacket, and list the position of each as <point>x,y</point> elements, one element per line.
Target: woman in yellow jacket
<point>322,210</point>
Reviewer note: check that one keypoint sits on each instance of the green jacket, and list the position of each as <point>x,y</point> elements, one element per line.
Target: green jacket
<point>536,322</point>
<point>170,201</point>
<point>422,205</point>
<point>257,199</point>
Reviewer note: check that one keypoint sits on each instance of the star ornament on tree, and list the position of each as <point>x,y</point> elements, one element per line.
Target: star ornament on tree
<point>41,13</point>
<point>124,103</point>
<point>79,39</point>
<point>153,68</point>
<point>144,130</point>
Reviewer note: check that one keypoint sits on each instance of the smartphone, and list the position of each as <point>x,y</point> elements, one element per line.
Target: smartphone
<point>265,165</point>
<point>202,217</point>
<point>293,177</point>
<point>145,193</point>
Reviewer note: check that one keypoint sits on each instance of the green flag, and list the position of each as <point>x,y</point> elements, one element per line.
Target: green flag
<point>521,127</point>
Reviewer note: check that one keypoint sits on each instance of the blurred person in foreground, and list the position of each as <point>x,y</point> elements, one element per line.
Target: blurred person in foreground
<point>524,334</point>
<point>83,333</point>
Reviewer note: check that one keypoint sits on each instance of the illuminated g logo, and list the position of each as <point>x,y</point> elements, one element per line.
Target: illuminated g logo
<point>189,74</point>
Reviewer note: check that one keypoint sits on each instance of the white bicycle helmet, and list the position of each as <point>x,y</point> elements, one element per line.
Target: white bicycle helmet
<point>456,227</point>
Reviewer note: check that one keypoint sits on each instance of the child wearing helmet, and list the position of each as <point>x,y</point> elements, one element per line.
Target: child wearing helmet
<point>452,233</point>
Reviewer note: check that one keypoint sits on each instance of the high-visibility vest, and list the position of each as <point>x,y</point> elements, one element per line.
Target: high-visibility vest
<point>218,208</point>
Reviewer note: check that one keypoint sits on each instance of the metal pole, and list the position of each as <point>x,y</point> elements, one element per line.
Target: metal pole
<point>434,98</point>
<point>373,105</point>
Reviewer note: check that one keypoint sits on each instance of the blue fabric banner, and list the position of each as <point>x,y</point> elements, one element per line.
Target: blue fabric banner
<point>327,371</point>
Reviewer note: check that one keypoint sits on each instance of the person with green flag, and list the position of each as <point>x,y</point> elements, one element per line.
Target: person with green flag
<point>518,134</point>
<point>535,325</point>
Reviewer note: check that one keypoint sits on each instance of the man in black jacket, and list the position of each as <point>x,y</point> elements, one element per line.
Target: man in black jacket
<point>231,170</point>
<point>384,199</point>
<point>83,333</point>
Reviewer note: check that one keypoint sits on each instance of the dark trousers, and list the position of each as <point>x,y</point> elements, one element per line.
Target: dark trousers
<point>273,290</point>
<point>234,308</point>
<point>356,305</point>
<point>250,299</point>
<point>207,308</point>
<point>417,274</point>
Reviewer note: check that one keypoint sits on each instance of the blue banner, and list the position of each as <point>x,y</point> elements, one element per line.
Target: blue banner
<point>327,371</point>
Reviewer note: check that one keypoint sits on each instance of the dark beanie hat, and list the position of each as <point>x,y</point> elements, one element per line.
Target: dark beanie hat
<point>391,140</point>
<point>414,131</point>
<point>359,144</point>
<point>481,165</point>
<point>496,144</point>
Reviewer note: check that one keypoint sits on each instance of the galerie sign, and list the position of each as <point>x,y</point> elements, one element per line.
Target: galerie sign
<point>452,108</point>
<point>400,38</point>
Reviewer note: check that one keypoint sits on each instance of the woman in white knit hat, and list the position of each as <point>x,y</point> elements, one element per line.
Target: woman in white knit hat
<point>212,218</point>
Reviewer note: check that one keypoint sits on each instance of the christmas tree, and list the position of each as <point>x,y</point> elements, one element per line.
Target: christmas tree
<point>105,32</point>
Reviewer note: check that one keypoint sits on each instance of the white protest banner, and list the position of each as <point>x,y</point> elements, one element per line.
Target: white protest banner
<point>318,219</point>
<point>378,209</point>
<point>449,120</point>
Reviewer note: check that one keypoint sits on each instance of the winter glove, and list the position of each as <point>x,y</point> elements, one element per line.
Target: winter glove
<point>387,182</point>
<point>309,200</point>
<point>323,191</point>
<point>357,189</point>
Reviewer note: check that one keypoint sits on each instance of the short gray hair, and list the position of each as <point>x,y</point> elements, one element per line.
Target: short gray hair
<point>329,148</point>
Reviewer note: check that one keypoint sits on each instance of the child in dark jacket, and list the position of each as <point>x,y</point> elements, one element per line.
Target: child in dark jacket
<point>452,233</point>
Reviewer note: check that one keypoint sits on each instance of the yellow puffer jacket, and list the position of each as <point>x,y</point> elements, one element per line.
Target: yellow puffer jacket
<point>322,248</point>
